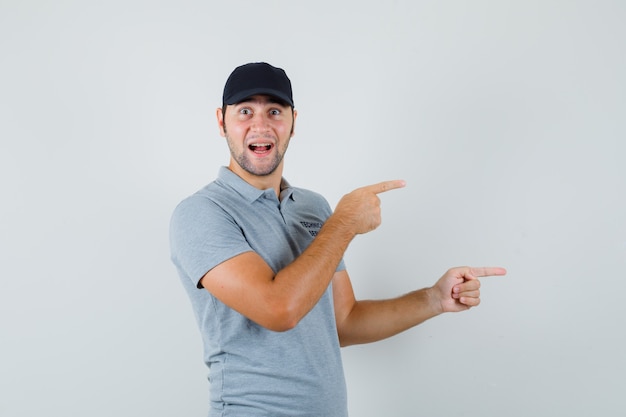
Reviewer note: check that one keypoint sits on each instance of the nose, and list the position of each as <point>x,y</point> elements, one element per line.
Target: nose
<point>260,123</point>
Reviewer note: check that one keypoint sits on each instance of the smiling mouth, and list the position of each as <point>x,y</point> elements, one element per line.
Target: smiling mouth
<point>260,147</point>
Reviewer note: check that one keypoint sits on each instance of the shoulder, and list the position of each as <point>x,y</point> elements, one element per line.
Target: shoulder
<point>201,199</point>
<point>203,205</point>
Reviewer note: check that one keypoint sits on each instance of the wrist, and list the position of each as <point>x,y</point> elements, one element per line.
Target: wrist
<point>338,227</point>
<point>434,301</point>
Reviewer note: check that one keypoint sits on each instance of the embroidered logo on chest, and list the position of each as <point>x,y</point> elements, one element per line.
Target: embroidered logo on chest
<point>312,227</point>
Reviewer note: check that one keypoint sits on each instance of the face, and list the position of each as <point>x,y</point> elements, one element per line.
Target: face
<point>258,131</point>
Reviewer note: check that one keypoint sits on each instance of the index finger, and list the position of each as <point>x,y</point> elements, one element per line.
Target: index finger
<point>487,271</point>
<point>384,186</point>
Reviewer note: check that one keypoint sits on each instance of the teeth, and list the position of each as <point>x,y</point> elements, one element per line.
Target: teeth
<point>261,144</point>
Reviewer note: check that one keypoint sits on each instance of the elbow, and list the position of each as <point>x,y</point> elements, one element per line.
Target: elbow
<point>281,327</point>
<point>283,318</point>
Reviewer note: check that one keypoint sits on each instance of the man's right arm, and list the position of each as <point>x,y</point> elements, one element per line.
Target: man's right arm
<point>279,301</point>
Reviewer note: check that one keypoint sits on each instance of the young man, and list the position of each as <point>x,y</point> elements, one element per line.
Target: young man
<point>262,263</point>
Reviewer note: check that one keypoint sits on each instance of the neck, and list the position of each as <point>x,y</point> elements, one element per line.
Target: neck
<point>262,182</point>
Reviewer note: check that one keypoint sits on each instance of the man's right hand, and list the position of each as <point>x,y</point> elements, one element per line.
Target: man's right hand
<point>360,209</point>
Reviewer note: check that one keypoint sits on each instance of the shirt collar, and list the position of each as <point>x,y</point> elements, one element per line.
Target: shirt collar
<point>249,192</point>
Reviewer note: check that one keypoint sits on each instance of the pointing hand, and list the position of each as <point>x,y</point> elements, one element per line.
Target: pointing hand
<point>360,209</point>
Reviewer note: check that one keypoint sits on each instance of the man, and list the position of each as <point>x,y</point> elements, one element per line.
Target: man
<point>262,263</point>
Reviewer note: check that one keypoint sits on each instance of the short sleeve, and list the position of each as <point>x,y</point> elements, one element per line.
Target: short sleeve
<point>203,235</point>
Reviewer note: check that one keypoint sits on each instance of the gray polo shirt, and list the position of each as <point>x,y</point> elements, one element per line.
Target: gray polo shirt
<point>254,371</point>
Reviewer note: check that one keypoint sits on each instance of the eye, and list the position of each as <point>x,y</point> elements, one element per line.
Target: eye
<point>245,111</point>
<point>275,112</point>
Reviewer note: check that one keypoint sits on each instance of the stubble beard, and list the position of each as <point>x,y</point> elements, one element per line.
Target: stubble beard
<point>247,164</point>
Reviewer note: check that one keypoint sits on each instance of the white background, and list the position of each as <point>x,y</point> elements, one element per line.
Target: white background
<point>506,119</point>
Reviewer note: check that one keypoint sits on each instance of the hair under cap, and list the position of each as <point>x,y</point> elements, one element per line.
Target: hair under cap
<point>257,78</point>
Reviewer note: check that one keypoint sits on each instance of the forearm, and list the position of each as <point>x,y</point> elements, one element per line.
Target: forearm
<point>303,282</point>
<point>373,320</point>
<point>306,279</point>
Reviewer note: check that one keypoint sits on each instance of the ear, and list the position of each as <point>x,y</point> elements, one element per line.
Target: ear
<point>220,121</point>
<point>293,126</point>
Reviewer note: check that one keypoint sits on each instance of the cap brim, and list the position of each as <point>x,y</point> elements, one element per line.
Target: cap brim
<point>243,95</point>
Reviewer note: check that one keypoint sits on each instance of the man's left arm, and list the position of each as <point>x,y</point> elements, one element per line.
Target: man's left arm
<point>366,321</point>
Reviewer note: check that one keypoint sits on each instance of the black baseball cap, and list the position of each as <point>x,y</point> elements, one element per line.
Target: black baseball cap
<point>257,78</point>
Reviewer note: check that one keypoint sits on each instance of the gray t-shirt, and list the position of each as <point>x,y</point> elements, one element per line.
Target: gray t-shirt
<point>254,371</point>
